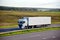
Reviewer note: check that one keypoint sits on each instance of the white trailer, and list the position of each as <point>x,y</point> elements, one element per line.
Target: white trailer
<point>35,21</point>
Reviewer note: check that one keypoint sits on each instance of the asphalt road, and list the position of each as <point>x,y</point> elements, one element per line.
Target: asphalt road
<point>12,29</point>
<point>54,25</point>
<point>46,35</point>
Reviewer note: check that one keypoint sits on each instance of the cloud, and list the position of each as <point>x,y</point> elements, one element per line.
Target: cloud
<point>31,3</point>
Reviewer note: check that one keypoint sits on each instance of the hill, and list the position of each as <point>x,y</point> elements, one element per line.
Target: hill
<point>28,9</point>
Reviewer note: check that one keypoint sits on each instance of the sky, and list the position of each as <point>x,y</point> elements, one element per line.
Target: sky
<point>31,3</point>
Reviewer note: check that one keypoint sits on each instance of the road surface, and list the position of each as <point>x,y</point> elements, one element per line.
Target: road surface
<point>54,25</point>
<point>46,35</point>
<point>12,29</point>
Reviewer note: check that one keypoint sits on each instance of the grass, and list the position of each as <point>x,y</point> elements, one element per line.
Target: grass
<point>28,31</point>
<point>9,26</point>
<point>8,18</point>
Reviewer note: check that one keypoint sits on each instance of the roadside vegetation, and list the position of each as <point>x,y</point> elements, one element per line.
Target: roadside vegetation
<point>11,33</point>
<point>8,19</point>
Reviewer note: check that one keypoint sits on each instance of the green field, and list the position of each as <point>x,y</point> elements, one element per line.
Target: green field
<point>8,19</point>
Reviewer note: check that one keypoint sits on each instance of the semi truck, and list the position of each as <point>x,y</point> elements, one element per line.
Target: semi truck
<point>33,22</point>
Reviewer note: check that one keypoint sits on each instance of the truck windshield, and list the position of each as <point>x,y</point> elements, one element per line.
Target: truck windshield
<point>22,22</point>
